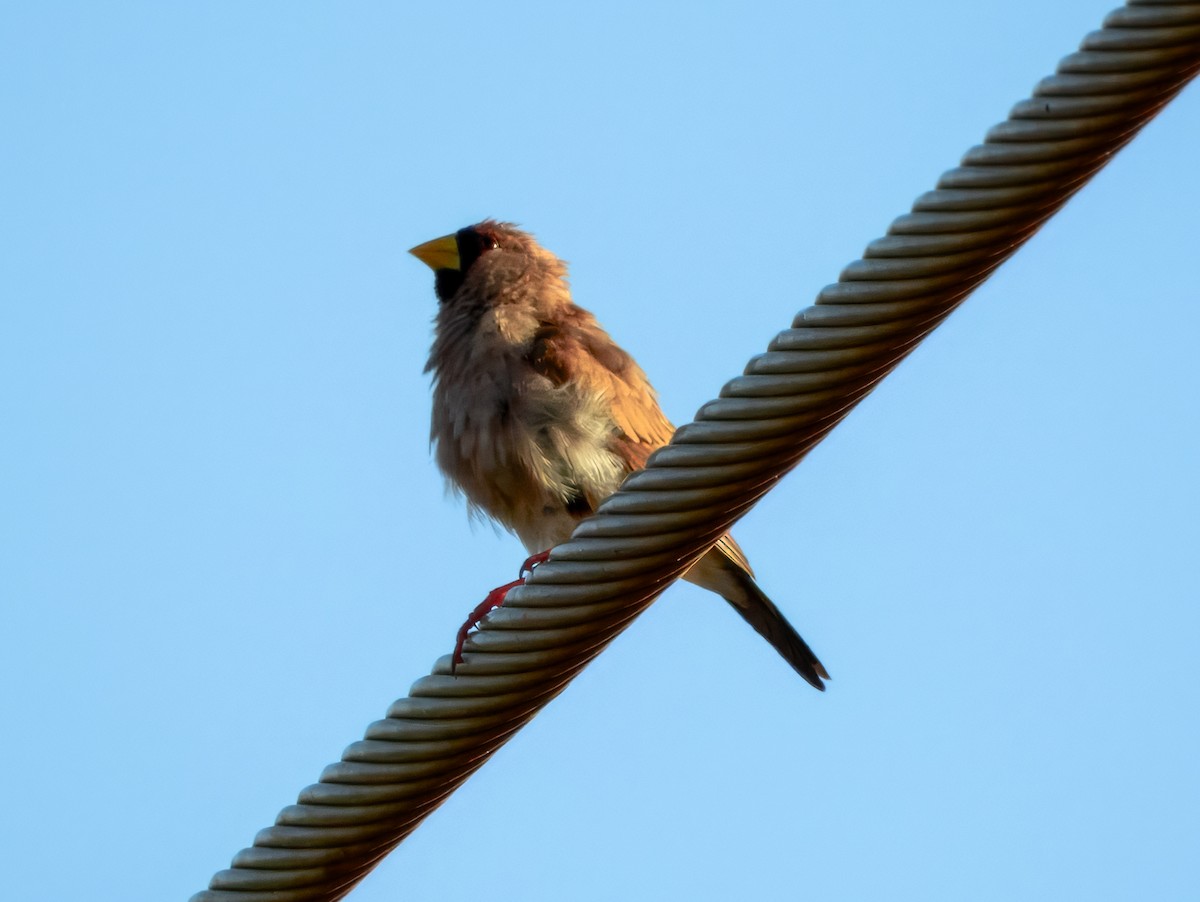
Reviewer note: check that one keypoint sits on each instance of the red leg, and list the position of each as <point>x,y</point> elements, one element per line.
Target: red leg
<point>533,560</point>
<point>494,599</point>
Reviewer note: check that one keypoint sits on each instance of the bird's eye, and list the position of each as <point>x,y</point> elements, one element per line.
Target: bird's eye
<point>473,243</point>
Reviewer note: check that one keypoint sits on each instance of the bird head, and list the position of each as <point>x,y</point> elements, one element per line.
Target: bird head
<point>486,259</point>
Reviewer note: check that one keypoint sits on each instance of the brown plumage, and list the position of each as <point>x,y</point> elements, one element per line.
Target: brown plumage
<point>538,415</point>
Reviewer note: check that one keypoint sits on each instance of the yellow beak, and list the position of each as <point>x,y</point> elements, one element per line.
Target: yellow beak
<point>440,253</point>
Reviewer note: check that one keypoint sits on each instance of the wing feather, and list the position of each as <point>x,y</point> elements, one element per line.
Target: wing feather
<point>576,350</point>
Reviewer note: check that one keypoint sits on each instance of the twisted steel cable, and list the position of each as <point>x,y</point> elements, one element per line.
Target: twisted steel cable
<point>666,516</point>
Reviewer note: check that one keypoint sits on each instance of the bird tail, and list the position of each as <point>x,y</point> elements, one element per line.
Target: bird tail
<point>761,613</point>
<point>724,570</point>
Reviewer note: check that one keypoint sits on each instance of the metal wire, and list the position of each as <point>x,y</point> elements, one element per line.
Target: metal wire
<point>763,423</point>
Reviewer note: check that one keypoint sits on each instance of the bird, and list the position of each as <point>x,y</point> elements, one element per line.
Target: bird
<point>539,415</point>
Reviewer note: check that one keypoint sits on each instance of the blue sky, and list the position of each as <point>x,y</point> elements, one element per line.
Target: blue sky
<point>224,549</point>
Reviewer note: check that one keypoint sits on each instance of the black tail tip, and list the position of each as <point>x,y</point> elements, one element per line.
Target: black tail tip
<point>813,674</point>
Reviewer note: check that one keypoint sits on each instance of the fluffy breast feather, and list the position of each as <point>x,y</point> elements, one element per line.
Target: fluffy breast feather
<point>520,447</point>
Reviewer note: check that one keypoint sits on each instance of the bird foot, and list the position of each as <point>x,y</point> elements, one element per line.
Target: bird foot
<point>494,599</point>
<point>532,561</point>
